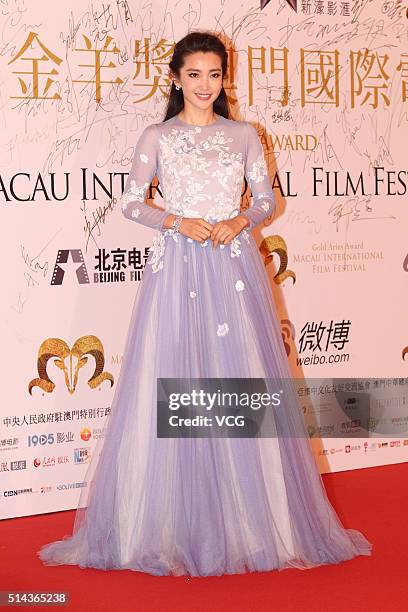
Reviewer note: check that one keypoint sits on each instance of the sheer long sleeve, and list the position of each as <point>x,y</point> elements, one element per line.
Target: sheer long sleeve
<point>256,172</point>
<point>143,169</point>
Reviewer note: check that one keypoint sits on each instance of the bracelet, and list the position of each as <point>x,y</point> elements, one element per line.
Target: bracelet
<point>176,223</point>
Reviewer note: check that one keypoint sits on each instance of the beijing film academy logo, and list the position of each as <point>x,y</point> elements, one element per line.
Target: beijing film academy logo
<point>292,4</point>
<point>110,265</point>
<point>62,258</point>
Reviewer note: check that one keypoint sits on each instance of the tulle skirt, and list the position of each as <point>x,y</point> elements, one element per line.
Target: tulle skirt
<point>210,505</point>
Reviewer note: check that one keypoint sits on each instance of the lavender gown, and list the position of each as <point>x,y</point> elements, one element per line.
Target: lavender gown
<point>202,506</point>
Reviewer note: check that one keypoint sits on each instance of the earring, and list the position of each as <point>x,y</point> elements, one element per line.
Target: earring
<point>178,87</point>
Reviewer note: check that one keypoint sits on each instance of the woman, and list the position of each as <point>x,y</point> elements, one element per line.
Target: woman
<point>206,505</point>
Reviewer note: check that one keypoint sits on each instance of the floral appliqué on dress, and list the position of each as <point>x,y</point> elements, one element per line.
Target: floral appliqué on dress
<point>259,169</point>
<point>157,249</point>
<point>222,329</point>
<point>134,193</point>
<point>201,175</point>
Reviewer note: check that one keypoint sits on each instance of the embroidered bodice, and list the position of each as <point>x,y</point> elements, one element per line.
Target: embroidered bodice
<point>201,172</point>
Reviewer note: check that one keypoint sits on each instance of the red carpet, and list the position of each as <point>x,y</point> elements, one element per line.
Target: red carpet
<point>373,500</point>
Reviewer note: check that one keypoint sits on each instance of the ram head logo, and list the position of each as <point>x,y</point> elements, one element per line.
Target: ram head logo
<point>276,244</point>
<point>70,361</point>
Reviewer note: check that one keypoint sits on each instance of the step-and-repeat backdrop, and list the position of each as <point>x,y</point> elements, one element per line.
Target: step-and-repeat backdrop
<point>326,85</point>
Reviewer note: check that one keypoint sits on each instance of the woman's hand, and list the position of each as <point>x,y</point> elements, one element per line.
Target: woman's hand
<point>199,229</point>
<point>225,231</point>
<point>192,227</point>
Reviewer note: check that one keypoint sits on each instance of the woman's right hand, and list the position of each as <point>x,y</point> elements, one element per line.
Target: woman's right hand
<point>196,228</point>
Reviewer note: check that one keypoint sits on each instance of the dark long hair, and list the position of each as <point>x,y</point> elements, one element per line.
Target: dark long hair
<point>191,43</point>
